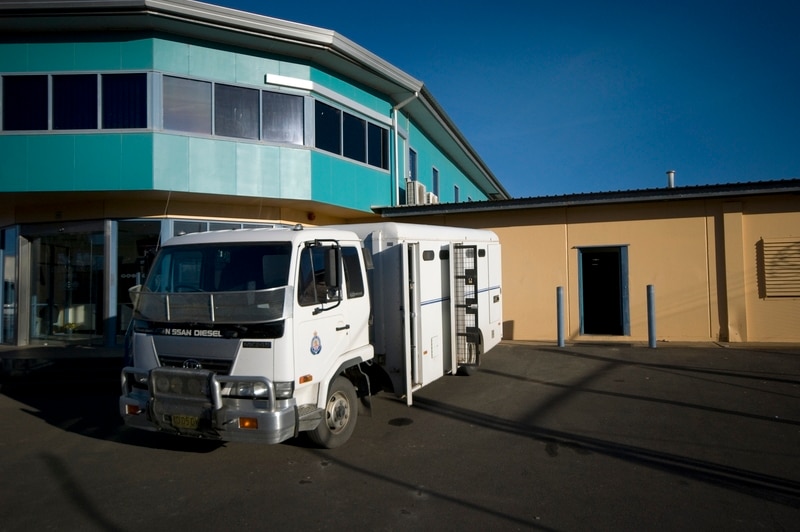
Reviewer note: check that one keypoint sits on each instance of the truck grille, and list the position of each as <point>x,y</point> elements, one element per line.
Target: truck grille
<point>220,367</point>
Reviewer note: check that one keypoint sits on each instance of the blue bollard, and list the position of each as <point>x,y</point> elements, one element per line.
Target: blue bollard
<point>560,314</point>
<point>651,316</point>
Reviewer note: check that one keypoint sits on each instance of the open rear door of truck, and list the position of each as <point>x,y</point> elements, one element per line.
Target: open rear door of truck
<point>465,334</point>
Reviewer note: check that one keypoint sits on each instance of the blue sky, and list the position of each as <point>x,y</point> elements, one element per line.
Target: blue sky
<point>585,96</point>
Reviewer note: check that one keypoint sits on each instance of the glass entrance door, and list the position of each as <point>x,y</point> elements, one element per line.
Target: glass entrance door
<point>67,283</point>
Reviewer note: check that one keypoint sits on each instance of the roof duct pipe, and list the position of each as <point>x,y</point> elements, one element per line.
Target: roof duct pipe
<point>670,178</point>
<point>395,196</point>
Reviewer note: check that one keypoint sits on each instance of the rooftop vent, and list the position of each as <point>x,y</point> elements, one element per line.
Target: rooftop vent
<point>670,178</point>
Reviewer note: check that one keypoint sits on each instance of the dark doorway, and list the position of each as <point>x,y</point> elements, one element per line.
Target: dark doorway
<point>603,278</point>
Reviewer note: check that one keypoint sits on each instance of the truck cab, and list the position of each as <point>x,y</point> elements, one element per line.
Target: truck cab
<point>250,335</point>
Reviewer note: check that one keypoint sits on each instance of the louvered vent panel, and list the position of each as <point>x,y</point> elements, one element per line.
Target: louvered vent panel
<point>782,267</point>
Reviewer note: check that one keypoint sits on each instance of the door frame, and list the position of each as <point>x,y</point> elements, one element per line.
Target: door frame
<point>624,288</point>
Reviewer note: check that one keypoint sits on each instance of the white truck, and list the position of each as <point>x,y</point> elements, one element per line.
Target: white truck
<point>261,334</point>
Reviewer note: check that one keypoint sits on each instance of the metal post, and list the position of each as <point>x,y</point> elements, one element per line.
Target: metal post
<point>651,316</point>
<point>560,313</point>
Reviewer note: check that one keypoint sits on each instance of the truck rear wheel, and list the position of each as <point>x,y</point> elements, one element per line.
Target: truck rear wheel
<point>340,415</point>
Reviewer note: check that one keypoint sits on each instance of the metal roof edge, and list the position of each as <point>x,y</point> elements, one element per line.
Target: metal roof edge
<point>724,190</point>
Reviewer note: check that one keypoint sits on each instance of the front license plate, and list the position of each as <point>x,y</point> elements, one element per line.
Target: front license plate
<point>185,422</point>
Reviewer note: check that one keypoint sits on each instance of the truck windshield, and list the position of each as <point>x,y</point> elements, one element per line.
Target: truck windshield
<point>216,283</point>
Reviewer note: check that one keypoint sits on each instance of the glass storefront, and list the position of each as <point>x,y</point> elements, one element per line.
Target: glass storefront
<point>8,288</point>
<point>137,241</point>
<point>55,287</point>
<point>66,282</point>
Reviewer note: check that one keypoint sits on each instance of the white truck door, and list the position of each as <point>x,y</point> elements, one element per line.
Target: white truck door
<point>322,331</point>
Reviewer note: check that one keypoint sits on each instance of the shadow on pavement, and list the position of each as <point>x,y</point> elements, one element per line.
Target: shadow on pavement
<point>81,395</point>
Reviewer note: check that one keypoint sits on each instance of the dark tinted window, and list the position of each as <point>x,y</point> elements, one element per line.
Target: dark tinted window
<point>327,128</point>
<point>124,101</point>
<point>378,146</point>
<point>355,138</point>
<point>75,102</point>
<point>24,103</point>
<point>282,118</point>
<point>236,112</point>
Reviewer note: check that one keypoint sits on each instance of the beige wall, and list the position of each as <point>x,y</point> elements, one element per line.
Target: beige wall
<point>769,319</point>
<point>700,256</point>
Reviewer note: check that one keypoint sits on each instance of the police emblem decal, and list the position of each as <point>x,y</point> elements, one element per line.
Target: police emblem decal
<point>316,344</point>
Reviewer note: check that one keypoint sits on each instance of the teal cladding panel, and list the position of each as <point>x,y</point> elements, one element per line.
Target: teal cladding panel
<point>251,70</point>
<point>211,166</point>
<point>211,63</point>
<point>294,70</point>
<point>352,92</point>
<point>136,161</point>
<point>96,162</point>
<point>51,56</point>
<point>135,54</point>
<point>171,162</point>
<point>52,163</point>
<point>341,182</point>
<point>13,57</point>
<point>14,172</point>
<point>171,56</point>
<point>60,163</point>
<point>89,56</point>
<point>220,65</point>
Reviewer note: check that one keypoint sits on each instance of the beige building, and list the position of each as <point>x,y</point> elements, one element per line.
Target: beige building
<point>723,262</point>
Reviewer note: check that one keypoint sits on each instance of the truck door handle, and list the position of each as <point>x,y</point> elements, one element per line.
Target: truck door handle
<point>344,328</point>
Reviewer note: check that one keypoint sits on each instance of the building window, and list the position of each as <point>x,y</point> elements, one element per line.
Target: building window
<point>779,265</point>
<point>412,165</point>
<point>355,138</point>
<point>435,180</point>
<point>235,112</point>
<point>328,128</point>
<point>124,101</point>
<point>378,146</point>
<point>282,118</point>
<point>187,105</point>
<point>456,194</point>
<point>75,101</point>
<point>350,136</point>
<point>24,103</point>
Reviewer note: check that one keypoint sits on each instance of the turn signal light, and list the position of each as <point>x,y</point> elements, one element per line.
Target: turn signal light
<point>248,423</point>
<point>132,410</point>
<point>306,378</point>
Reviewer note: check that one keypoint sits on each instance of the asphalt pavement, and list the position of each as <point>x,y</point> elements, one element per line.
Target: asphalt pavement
<point>584,437</point>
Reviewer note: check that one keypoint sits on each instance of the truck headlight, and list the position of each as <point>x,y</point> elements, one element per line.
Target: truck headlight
<point>249,389</point>
<point>284,390</point>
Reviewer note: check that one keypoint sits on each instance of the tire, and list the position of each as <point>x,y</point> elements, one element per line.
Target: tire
<point>339,417</point>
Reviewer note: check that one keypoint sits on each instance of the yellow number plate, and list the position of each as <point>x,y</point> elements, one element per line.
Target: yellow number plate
<point>185,422</point>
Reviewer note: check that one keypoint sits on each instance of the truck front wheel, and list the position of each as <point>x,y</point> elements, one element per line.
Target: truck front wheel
<point>341,413</point>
